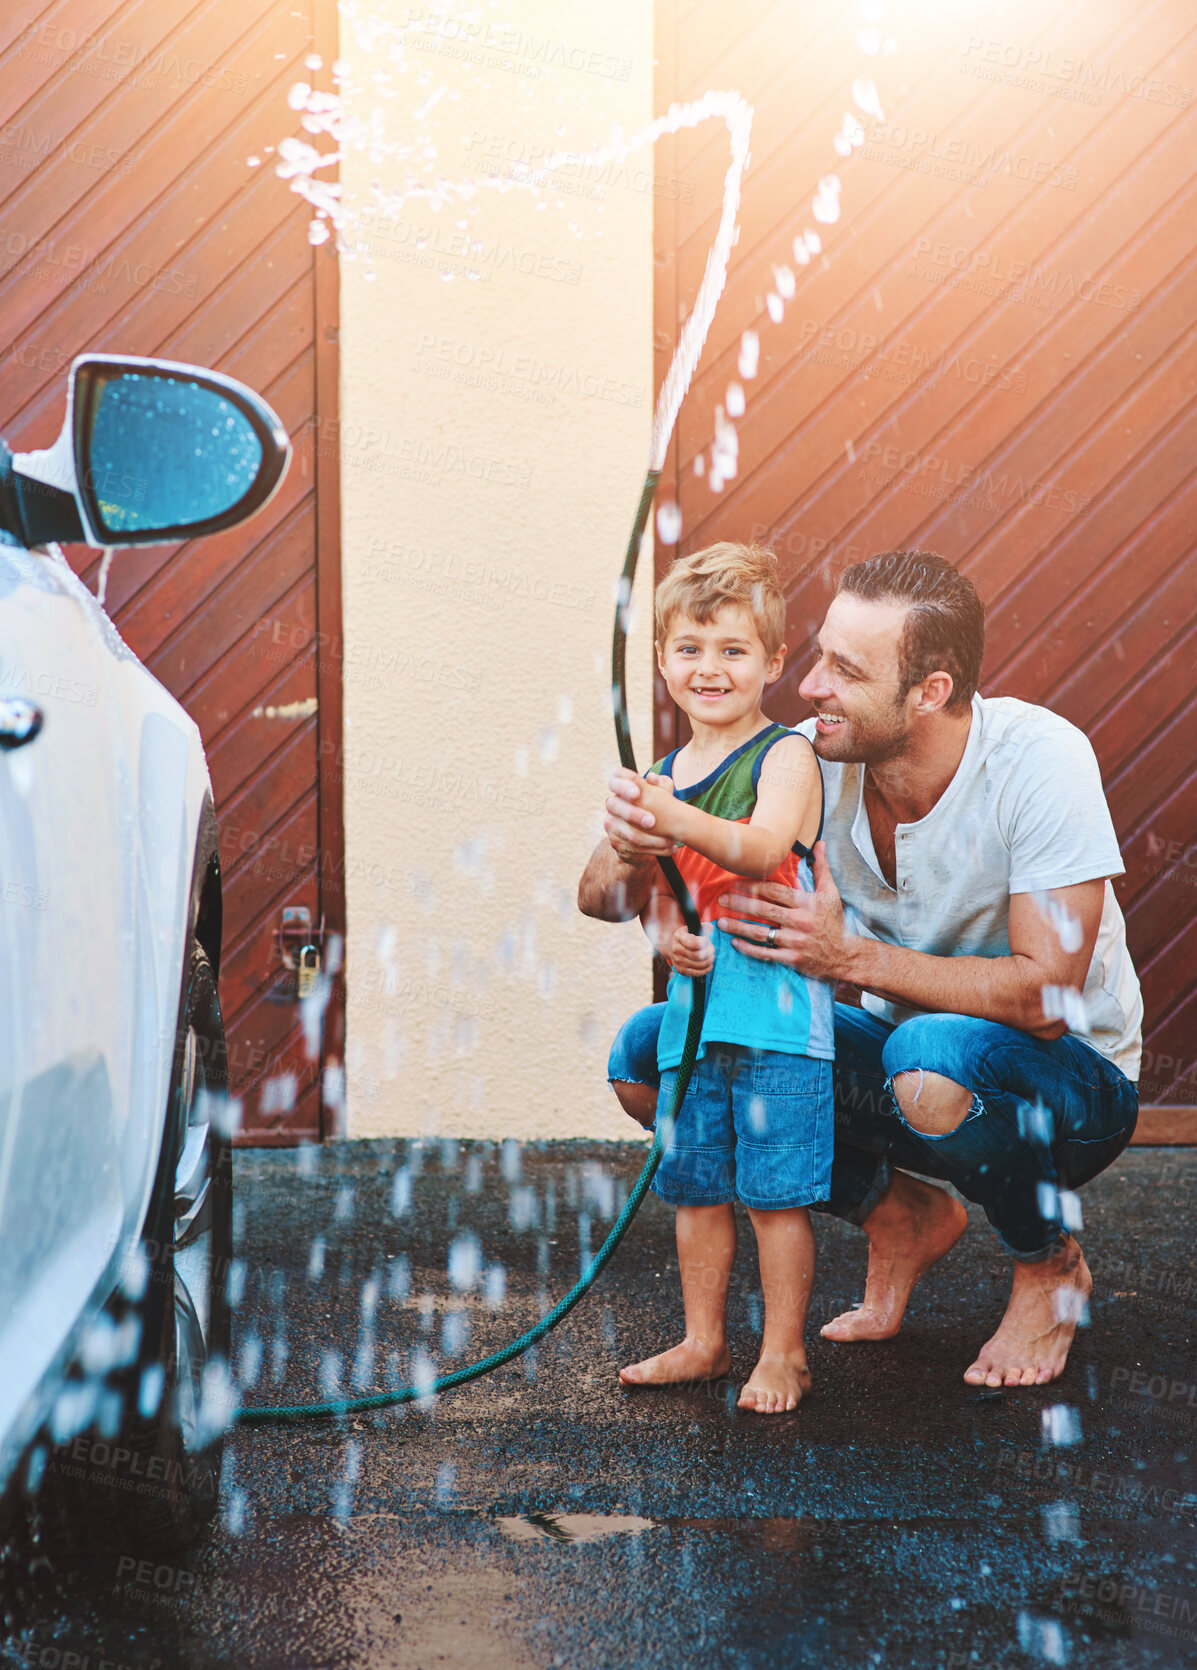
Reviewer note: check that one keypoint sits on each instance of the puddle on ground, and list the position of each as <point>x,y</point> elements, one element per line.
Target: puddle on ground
<point>571,1527</point>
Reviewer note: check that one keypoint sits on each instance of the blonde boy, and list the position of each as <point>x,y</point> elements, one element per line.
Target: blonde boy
<point>744,798</point>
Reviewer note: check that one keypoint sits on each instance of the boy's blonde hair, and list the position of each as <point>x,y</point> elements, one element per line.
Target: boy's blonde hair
<point>700,585</point>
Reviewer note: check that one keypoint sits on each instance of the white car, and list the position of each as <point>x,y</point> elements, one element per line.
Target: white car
<point>115,1176</point>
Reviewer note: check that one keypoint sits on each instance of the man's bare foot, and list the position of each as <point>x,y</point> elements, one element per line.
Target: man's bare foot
<point>779,1382</point>
<point>692,1360</point>
<point>1031,1345</point>
<point>909,1229</point>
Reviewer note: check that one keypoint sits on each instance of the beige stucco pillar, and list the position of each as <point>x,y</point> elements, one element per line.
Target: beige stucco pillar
<point>494,433</point>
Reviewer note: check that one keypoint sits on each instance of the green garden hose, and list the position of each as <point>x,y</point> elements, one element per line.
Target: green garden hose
<point>486,1365</point>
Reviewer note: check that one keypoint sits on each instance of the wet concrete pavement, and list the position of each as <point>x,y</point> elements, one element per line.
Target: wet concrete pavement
<point>546,1517</point>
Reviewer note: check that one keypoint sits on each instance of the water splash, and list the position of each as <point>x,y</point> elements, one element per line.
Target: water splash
<point>1061,1424</point>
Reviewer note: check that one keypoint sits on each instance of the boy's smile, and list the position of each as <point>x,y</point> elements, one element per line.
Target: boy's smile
<point>716,671</point>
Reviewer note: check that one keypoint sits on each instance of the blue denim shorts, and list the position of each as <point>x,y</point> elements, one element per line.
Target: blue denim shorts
<point>756,1126</point>
<point>1047,1114</point>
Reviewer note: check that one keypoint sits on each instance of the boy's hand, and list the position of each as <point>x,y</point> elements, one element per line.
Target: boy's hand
<point>658,802</point>
<point>691,954</point>
<point>628,828</point>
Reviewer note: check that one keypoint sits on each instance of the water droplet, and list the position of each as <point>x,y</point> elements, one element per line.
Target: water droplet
<point>669,523</point>
<point>1046,1638</point>
<point>1061,1424</point>
<point>1061,1522</point>
<point>465,1261</point>
<point>330,1373</point>
<point>400,1192</point>
<point>150,1389</point>
<point>750,354</point>
<point>249,1359</point>
<point>865,93</point>
<point>236,1512</point>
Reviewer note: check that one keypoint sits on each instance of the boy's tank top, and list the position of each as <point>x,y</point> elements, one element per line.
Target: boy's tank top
<point>764,1005</point>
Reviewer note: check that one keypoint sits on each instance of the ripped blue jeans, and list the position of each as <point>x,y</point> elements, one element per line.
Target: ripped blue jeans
<point>1046,1115</point>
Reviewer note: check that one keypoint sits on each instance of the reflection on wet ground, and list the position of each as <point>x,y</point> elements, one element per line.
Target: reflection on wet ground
<point>570,1527</point>
<point>546,1517</point>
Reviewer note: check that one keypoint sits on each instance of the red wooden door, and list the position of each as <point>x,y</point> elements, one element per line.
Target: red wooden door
<point>134,222</point>
<point>992,357</point>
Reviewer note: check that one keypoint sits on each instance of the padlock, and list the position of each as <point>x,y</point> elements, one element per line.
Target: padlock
<point>307,970</point>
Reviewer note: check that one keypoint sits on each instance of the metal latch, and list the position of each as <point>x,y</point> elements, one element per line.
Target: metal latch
<point>309,968</point>
<point>295,933</point>
<point>300,949</point>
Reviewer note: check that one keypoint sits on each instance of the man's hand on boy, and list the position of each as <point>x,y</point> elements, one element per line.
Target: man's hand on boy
<point>810,933</point>
<point>691,954</point>
<point>630,827</point>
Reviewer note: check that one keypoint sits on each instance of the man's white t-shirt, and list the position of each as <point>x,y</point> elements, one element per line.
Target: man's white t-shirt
<point>1024,812</point>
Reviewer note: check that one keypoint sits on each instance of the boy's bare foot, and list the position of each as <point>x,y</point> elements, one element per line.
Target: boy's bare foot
<point>909,1229</point>
<point>779,1382</point>
<point>692,1360</point>
<point>1031,1345</point>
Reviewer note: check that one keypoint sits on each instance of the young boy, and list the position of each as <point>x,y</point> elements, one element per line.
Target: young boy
<point>744,797</point>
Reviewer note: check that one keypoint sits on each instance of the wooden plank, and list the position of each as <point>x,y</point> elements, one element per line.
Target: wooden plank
<point>243,749</point>
<point>37,40</point>
<point>1166,1127</point>
<point>1159,691</point>
<point>221,662</point>
<point>255,875</point>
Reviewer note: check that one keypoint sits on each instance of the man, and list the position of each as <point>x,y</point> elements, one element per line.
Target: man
<point>963,885</point>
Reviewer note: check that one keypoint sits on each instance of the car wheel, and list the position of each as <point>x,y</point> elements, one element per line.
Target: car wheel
<point>156,1482</point>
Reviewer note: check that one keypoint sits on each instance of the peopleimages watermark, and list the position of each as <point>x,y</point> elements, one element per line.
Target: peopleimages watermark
<point>504,46</point>
<point>34,1656</point>
<point>934,476</point>
<point>445,248</point>
<point>1121,1604</point>
<point>1166,1396</point>
<point>570,173</point>
<point>107,58</point>
<point>1174,860</point>
<point>900,360</point>
<point>497,369</point>
<point>1042,69</point>
<point>24,147</point>
<point>65,263</point>
<point>925,151</point>
<point>1046,1471</point>
<point>144,1579</point>
<point>359,446</point>
<point>468,578</point>
<point>992,273</point>
<point>59,687</point>
<point>1130,1277</point>
<point>386,664</point>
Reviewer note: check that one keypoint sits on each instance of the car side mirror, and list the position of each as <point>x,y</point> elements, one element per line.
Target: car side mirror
<point>151,451</point>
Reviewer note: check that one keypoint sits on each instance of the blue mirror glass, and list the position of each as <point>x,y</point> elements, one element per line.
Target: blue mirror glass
<point>167,453</point>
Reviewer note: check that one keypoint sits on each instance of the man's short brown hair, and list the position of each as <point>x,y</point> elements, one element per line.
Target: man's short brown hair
<point>944,629</point>
<point>702,584</point>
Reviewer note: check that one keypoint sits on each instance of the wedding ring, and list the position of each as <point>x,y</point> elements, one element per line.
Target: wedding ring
<point>771,937</point>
